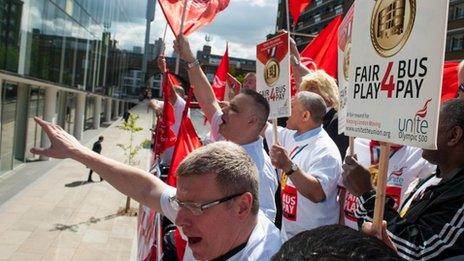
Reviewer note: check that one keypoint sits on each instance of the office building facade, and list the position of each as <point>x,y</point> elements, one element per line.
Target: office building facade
<point>59,60</point>
<point>320,12</point>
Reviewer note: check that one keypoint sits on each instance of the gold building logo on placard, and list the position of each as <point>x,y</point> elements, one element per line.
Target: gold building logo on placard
<point>391,25</point>
<point>346,60</point>
<point>271,72</point>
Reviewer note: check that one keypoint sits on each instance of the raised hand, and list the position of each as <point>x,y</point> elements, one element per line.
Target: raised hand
<point>63,145</point>
<point>368,228</point>
<point>162,64</point>
<point>182,47</point>
<point>279,158</point>
<point>356,178</point>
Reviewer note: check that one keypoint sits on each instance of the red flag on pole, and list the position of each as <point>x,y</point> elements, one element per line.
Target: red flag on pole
<point>187,141</point>
<point>450,81</point>
<point>323,50</point>
<point>165,136</point>
<point>219,82</point>
<point>296,7</point>
<point>233,84</point>
<point>198,13</point>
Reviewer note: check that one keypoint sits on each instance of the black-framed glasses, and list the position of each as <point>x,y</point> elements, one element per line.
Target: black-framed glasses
<point>198,208</point>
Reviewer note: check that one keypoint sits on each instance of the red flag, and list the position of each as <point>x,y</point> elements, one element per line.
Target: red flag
<point>219,82</point>
<point>233,84</point>
<point>450,81</point>
<point>165,136</point>
<point>197,14</point>
<point>323,50</point>
<point>187,141</point>
<point>296,7</point>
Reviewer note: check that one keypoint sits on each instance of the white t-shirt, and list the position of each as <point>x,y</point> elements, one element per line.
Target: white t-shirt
<point>215,122</point>
<point>316,154</point>
<point>405,165</point>
<point>268,180</point>
<point>179,106</point>
<point>263,243</point>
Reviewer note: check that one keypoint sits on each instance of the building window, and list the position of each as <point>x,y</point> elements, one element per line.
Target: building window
<point>458,12</point>
<point>317,18</point>
<point>318,2</point>
<point>457,42</point>
<point>338,9</point>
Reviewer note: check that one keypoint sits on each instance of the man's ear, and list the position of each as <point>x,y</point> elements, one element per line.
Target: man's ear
<point>244,204</point>
<point>306,115</point>
<point>456,135</point>
<point>252,119</point>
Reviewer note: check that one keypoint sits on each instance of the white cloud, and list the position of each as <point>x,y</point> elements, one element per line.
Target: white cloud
<point>243,24</point>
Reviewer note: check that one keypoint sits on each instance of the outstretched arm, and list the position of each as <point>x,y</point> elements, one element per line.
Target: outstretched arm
<point>202,89</point>
<point>163,68</point>
<point>133,182</point>
<point>299,69</point>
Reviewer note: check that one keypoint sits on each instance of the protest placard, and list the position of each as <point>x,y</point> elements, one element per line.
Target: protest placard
<point>395,77</point>
<point>344,47</point>
<point>273,74</point>
<point>395,71</point>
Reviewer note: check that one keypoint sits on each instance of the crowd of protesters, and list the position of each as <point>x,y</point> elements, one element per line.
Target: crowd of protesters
<point>224,202</point>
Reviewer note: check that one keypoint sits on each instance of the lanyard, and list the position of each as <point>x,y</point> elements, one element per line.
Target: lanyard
<point>298,150</point>
<point>284,177</point>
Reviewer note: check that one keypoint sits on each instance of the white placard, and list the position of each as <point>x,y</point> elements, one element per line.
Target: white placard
<point>273,74</point>
<point>395,71</point>
<point>344,49</point>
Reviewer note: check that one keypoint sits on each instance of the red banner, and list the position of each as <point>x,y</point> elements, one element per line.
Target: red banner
<point>165,136</point>
<point>197,14</point>
<point>219,83</point>
<point>296,7</point>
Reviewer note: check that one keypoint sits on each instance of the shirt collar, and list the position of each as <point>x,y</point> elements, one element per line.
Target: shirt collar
<point>308,134</point>
<point>255,144</point>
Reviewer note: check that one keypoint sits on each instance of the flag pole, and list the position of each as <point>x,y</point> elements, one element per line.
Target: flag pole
<point>381,186</point>
<point>159,251</point>
<point>180,32</point>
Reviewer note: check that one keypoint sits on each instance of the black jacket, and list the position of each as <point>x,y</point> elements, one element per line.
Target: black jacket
<point>433,226</point>
<point>97,147</point>
<point>330,124</point>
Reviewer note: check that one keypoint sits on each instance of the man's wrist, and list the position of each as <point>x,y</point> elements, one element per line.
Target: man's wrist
<point>193,64</point>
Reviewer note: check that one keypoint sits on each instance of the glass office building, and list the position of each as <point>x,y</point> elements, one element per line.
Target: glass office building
<point>61,60</point>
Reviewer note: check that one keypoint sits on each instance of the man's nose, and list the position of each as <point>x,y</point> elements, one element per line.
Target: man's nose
<point>183,218</point>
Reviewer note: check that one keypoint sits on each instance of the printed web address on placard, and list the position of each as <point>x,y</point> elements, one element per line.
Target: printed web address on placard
<point>370,131</point>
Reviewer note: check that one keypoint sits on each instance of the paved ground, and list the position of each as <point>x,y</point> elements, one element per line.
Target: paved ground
<point>48,212</point>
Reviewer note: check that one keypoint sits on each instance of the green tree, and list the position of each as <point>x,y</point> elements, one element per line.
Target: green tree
<point>130,150</point>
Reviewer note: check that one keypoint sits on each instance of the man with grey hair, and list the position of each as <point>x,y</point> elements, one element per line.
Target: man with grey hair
<point>311,165</point>
<point>215,203</point>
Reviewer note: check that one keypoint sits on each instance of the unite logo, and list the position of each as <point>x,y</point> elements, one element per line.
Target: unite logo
<point>218,83</point>
<point>416,128</point>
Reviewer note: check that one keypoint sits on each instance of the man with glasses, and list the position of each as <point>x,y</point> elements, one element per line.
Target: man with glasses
<point>215,204</point>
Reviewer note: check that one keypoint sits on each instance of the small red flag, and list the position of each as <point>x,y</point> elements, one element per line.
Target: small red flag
<point>187,141</point>
<point>165,136</point>
<point>296,7</point>
<point>233,84</point>
<point>450,81</point>
<point>219,82</point>
<point>323,49</point>
<point>197,14</point>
